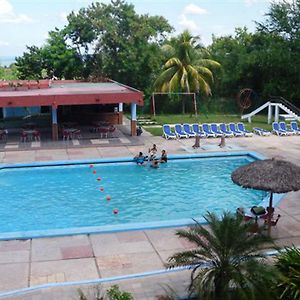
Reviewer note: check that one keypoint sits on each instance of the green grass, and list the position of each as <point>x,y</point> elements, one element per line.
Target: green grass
<point>257,121</point>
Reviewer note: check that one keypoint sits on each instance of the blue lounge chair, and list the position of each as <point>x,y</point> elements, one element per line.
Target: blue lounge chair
<point>224,130</point>
<point>187,129</point>
<point>215,130</point>
<point>241,127</point>
<point>283,127</point>
<point>294,126</point>
<point>167,132</point>
<point>179,132</point>
<point>261,131</point>
<point>197,130</point>
<point>207,131</point>
<point>277,130</point>
<point>235,131</point>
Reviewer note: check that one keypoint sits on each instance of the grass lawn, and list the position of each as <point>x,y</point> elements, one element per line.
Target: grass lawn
<point>257,121</point>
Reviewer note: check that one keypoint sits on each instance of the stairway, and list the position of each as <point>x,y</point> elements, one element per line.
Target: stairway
<point>292,112</point>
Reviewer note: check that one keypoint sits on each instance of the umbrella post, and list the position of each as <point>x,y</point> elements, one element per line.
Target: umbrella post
<point>270,212</point>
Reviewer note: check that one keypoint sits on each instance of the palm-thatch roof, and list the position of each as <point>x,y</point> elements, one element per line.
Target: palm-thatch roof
<point>276,176</point>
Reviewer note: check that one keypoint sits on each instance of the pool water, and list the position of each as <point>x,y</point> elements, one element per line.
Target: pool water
<point>69,196</point>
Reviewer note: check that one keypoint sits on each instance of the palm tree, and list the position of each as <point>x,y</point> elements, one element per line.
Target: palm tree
<point>288,264</point>
<point>225,261</point>
<point>187,69</point>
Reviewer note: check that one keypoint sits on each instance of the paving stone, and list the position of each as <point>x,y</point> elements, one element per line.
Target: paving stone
<point>13,276</point>
<point>69,270</point>
<point>57,248</point>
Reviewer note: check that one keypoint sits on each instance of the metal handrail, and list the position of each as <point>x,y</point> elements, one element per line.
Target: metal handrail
<point>287,103</point>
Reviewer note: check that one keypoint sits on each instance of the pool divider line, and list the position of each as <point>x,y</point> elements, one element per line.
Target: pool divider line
<point>111,279</point>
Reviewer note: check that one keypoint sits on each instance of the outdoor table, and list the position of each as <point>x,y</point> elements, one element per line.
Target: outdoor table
<point>28,135</point>
<point>69,124</point>
<point>103,131</point>
<point>30,125</point>
<point>68,133</point>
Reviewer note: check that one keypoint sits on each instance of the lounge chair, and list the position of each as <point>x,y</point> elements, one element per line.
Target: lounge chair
<point>187,129</point>
<point>207,130</point>
<point>224,130</point>
<point>197,130</point>
<point>167,132</point>
<point>215,130</point>
<point>277,130</point>
<point>294,126</point>
<point>179,132</point>
<point>235,131</point>
<point>261,131</point>
<point>241,127</point>
<point>283,127</point>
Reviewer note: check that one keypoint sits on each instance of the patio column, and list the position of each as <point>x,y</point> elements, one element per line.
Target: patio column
<point>54,123</point>
<point>120,120</point>
<point>133,119</point>
<point>276,113</point>
<point>270,114</point>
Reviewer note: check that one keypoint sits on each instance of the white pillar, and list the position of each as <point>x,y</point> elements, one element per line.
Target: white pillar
<point>54,123</point>
<point>133,112</point>
<point>120,107</point>
<point>133,119</point>
<point>276,113</point>
<point>270,114</point>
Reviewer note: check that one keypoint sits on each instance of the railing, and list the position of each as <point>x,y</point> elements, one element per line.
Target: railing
<point>286,103</point>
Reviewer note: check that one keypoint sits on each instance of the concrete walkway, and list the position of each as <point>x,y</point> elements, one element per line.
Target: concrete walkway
<point>25,263</point>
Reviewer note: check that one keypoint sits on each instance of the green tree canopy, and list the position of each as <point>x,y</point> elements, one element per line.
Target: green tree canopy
<point>187,66</point>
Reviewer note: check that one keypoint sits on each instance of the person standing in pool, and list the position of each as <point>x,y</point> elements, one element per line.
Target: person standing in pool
<point>164,157</point>
<point>140,158</point>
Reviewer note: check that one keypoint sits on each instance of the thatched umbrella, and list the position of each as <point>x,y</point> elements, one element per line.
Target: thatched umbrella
<point>272,175</point>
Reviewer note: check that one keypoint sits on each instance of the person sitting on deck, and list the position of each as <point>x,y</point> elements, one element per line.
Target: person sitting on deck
<point>152,152</point>
<point>139,131</point>
<point>164,157</point>
<point>140,158</point>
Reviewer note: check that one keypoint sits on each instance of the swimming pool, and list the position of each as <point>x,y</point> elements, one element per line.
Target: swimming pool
<point>45,200</point>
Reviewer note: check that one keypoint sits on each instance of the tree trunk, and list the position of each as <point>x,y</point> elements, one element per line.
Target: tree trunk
<point>183,104</point>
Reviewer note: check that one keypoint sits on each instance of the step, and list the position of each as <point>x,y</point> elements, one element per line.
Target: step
<point>287,117</point>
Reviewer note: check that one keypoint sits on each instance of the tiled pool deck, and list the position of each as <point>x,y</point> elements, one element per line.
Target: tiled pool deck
<point>82,257</point>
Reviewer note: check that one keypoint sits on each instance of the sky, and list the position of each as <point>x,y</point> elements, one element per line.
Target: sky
<point>27,22</point>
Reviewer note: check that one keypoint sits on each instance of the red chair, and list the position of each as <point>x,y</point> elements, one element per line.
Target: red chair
<point>24,137</point>
<point>103,131</point>
<point>66,135</point>
<point>111,129</point>
<point>36,135</point>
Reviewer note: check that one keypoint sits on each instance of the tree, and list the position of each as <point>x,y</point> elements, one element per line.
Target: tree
<point>288,264</point>
<point>225,260</point>
<point>30,65</point>
<point>187,68</point>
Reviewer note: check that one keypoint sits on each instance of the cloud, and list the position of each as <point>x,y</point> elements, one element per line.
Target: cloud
<point>187,24</point>
<point>193,9</point>
<point>3,43</point>
<point>7,14</point>
<point>63,16</point>
<point>250,2</point>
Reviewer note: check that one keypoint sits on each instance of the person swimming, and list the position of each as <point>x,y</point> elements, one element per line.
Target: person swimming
<point>155,164</point>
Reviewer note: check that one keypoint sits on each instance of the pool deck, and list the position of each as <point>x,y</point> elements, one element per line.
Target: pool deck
<point>26,263</point>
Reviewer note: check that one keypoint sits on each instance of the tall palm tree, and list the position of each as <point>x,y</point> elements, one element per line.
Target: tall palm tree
<point>225,261</point>
<point>187,68</point>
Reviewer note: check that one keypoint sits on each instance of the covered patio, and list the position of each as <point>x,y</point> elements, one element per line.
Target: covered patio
<point>93,104</point>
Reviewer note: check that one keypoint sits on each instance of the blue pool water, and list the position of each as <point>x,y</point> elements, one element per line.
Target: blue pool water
<point>69,196</point>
